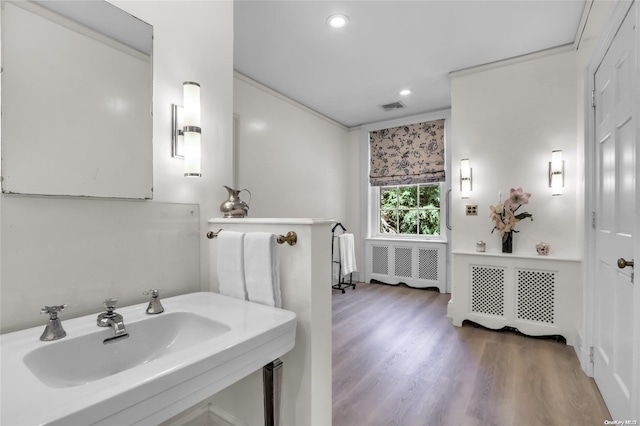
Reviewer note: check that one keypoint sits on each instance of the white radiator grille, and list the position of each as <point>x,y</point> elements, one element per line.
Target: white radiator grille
<point>487,290</point>
<point>380,260</point>
<point>428,264</point>
<point>536,295</point>
<point>404,261</point>
<point>418,264</point>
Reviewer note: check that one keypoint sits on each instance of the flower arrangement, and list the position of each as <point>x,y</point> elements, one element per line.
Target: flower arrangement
<point>504,215</point>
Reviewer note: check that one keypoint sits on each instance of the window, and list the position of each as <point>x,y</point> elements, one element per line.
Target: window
<point>409,210</point>
<point>407,179</point>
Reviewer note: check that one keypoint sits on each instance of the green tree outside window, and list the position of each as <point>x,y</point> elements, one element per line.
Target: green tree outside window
<point>410,210</point>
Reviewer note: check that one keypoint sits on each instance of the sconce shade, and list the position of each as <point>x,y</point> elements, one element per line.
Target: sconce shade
<point>465,178</point>
<point>465,168</point>
<point>192,162</point>
<point>191,98</point>
<point>192,131</point>
<point>556,172</point>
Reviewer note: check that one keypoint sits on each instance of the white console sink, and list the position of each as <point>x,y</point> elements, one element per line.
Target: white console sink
<point>202,343</point>
<point>60,366</point>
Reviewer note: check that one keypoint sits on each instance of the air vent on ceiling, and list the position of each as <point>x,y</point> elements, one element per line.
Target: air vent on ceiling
<point>392,106</point>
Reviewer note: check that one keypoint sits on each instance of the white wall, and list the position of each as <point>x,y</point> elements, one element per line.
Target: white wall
<point>507,118</point>
<point>295,162</point>
<point>192,41</point>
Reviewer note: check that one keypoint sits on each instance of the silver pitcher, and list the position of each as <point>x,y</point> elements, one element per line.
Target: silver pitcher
<point>234,206</point>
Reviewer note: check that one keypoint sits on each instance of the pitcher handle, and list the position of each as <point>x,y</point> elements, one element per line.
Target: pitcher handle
<point>249,203</point>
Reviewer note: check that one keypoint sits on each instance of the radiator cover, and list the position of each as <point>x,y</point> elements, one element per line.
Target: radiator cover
<point>537,295</point>
<point>416,263</point>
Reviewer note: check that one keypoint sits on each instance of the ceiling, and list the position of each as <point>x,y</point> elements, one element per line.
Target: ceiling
<point>347,74</point>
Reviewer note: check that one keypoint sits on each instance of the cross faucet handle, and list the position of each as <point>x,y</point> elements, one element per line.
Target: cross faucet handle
<point>110,304</point>
<point>154,292</point>
<point>52,310</point>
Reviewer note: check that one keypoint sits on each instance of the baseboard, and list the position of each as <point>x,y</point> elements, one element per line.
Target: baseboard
<point>583,353</point>
<point>355,277</point>
<point>450,315</point>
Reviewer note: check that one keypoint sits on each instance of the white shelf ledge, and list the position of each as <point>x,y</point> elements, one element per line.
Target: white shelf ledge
<point>270,221</point>
<point>517,256</point>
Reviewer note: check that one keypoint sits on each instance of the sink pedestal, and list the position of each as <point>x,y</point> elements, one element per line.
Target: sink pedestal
<point>272,382</point>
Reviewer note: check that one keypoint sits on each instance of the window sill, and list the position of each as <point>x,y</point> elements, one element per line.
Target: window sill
<point>402,238</point>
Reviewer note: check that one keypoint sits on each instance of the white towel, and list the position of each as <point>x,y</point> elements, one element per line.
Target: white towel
<point>347,253</point>
<point>231,264</point>
<point>261,268</point>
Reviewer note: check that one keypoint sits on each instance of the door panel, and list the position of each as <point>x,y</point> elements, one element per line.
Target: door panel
<point>615,210</point>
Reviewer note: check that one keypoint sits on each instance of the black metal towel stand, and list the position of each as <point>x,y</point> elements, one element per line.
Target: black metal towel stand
<point>341,285</point>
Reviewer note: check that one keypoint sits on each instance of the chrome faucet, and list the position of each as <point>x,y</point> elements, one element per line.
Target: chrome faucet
<point>113,320</point>
<point>155,306</point>
<point>53,330</point>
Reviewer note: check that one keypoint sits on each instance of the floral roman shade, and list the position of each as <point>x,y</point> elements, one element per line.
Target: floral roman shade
<point>407,154</point>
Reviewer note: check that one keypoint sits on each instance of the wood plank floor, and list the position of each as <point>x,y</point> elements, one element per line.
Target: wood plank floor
<point>397,360</point>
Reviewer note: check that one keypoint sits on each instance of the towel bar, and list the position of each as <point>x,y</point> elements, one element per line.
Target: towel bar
<point>291,238</point>
<point>212,234</point>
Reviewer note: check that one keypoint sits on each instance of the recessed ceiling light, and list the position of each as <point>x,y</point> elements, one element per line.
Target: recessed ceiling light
<point>337,21</point>
<point>405,92</point>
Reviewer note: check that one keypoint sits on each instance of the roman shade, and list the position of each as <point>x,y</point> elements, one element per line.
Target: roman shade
<point>407,155</point>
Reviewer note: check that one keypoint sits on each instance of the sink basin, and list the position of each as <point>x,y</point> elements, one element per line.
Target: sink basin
<point>56,365</point>
<point>202,343</point>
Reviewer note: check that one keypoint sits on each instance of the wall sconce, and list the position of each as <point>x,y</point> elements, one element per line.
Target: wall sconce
<point>556,172</point>
<point>466,180</point>
<point>185,130</point>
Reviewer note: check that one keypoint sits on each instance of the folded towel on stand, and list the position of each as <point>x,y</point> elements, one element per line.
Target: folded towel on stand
<point>347,253</point>
<point>231,264</point>
<point>261,268</point>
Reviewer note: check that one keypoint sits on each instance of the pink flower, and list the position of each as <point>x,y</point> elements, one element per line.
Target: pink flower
<point>504,215</point>
<point>517,197</point>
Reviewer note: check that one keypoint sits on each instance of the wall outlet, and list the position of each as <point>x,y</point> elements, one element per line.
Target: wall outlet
<point>472,209</point>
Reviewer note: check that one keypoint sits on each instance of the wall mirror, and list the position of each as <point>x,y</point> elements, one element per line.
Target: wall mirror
<point>76,100</point>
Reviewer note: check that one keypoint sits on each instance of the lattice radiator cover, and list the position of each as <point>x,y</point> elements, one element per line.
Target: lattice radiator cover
<point>417,265</point>
<point>487,290</point>
<point>428,264</point>
<point>536,295</point>
<point>380,260</point>
<point>403,264</point>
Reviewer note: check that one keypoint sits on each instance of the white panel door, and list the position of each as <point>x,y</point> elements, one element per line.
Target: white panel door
<point>615,122</point>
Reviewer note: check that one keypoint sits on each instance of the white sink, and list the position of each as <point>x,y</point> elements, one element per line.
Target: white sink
<point>58,366</point>
<point>202,343</point>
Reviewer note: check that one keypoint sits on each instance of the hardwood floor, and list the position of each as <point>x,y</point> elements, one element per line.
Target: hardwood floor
<point>397,360</point>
